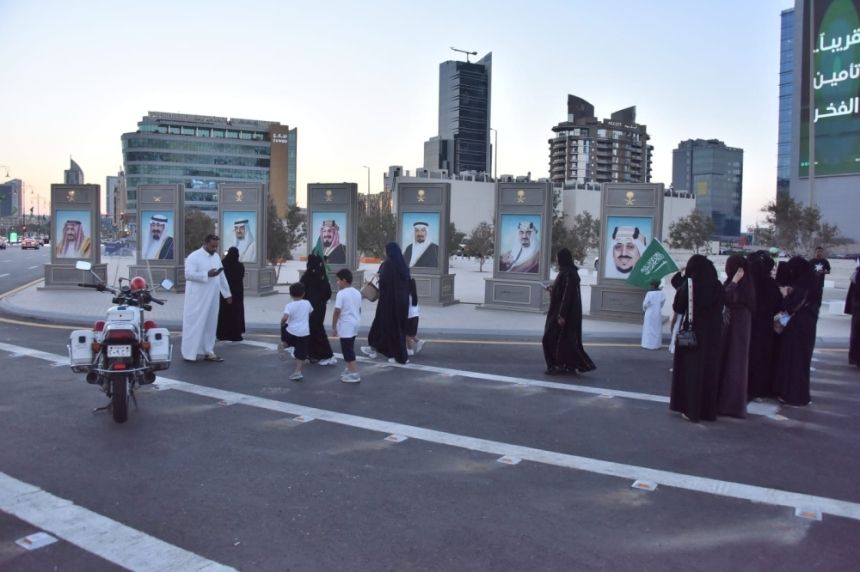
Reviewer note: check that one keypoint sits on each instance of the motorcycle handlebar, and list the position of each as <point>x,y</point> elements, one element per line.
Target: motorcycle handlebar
<point>157,301</point>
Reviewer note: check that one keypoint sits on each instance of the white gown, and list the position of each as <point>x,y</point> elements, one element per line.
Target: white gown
<point>652,327</point>
<point>200,313</point>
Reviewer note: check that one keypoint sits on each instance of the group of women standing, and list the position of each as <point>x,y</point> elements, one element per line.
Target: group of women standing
<point>754,334</point>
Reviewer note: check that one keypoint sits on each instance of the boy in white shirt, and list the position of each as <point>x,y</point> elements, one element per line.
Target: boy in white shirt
<point>345,322</point>
<point>298,329</point>
<point>413,344</point>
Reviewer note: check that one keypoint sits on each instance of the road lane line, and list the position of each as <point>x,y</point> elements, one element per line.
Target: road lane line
<point>729,489</point>
<point>753,408</point>
<point>127,547</point>
<point>32,267</point>
<point>4,275</point>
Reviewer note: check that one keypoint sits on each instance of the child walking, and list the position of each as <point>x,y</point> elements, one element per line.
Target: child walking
<point>296,318</point>
<point>413,344</point>
<point>345,321</point>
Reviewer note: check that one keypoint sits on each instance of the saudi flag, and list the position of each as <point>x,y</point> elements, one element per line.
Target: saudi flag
<point>654,264</point>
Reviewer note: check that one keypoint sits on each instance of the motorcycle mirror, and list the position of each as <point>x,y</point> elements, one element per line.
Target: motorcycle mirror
<point>83,265</point>
<point>166,284</point>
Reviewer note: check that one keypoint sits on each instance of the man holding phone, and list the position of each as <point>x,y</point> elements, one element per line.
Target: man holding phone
<point>205,281</point>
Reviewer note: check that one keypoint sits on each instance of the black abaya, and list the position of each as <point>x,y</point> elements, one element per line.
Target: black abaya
<point>797,341</point>
<point>318,293</point>
<point>388,331</point>
<point>562,344</point>
<point>231,317</point>
<point>852,306</point>
<point>695,371</point>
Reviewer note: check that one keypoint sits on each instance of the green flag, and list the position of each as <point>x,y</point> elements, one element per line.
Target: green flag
<point>654,264</point>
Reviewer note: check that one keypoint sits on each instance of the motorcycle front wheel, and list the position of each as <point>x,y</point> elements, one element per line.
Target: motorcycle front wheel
<point>119,398</point>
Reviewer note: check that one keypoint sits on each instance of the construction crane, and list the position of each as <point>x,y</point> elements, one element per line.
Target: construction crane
<point>465,52</point>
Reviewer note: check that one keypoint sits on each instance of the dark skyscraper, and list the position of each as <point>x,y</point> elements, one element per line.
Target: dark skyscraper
<point>786,88</point>
<point>714,173</point>
<point>463,142</point>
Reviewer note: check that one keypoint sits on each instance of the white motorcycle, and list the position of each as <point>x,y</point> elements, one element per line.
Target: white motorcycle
<point>123,351</point>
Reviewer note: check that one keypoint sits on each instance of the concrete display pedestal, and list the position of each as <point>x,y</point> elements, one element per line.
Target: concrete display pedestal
<point>617,304</point>
<point>435,289</point>
<point>517,295</point>
<point>68,277</point>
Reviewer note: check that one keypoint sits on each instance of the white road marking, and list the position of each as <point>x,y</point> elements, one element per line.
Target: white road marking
<point>32,267</point>
<point>126,547</point>
<point>753,408</point>
<point>4,275</point>
<point>754,493</point>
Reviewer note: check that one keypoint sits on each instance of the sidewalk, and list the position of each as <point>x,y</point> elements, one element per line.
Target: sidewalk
<point>78,307</point>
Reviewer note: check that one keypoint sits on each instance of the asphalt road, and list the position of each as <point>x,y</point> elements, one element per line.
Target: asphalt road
<point>236,465</point>
<point>19,267</point>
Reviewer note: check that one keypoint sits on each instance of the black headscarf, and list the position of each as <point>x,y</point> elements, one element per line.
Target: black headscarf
<point>394,261</point>
<point>314,271</point>
<point>745,287</point>
<point>565,259</point>
<point>231,258</point>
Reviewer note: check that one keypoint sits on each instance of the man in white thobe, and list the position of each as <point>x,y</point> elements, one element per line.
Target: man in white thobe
<point>205,280</point>
<point>652,327</point>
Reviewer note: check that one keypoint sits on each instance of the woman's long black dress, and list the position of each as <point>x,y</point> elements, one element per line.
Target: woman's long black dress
<point>388,331</point>
<point>562,345</point>
<point>231,317</point>
<point>318,293</point>
<point>695,381</point>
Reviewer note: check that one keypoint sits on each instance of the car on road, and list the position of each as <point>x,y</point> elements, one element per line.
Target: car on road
<point>3,242</point>
<point>30,243</point>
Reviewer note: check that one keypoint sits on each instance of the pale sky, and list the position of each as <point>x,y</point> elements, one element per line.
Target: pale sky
<point>360,80</point>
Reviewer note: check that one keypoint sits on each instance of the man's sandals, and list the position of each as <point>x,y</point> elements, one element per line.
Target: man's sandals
<point>212,357</point>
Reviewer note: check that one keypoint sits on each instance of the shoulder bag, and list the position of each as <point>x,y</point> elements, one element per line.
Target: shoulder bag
<point>370,291</point>
<point>686,336</point>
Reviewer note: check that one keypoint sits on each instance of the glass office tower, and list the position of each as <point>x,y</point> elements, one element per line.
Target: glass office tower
<point>200,151</point>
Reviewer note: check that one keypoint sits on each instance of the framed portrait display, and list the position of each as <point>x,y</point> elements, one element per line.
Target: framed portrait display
<point>73,234</point>
<point>625,240</point>
<point>420,239</point>
<point>157,235</point>
<point>329,232</point>
<point>239,229</point>
<point>520,248</point>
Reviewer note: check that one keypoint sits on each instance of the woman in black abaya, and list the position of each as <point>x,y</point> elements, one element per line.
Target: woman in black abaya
<point>388,332</point>
<point>695,371</point>
<point>795,344</point>
<point>318,293</point>
<point>739,297</point>
<point>768,301</point>
<point>562,337</point>
<point>231,317</point>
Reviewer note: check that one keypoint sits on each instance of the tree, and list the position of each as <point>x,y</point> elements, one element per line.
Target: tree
<point>375,230</point>
<point>691,232</point>
<point>797,229</point>
<point>583,237</point>
<point>481,243</point>
<point>455,238</point>
<point>197,225</point>
<point>295,229</point>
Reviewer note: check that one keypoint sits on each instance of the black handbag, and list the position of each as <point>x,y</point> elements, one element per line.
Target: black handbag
<point>686,337</point>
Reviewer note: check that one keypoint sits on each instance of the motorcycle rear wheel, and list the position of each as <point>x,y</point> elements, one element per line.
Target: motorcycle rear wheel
<point>119,398</point>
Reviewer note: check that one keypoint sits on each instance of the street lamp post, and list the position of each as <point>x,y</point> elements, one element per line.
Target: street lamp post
<point>368,179</point>
<point>495,152</point>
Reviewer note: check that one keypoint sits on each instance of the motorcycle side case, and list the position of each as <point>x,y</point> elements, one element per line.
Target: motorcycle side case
<point>159,347</point>
<point>81,350</point>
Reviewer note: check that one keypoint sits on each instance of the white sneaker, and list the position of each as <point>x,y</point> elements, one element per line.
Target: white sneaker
<point>330,361</point>
<point>296,376</point>
<point>350,378</point>
<point>392,360</point>
<point>418,346</point>
<point>369,352</point>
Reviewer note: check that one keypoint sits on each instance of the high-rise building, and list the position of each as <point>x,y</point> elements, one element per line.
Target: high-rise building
<point>833,118</point>
<point>713,172</point>
<point>463,141</point>
<point>74,175</point>
<point>12,198</point>
<point>588,150</point>
<point>786,88</point>
<point>200,151</point>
